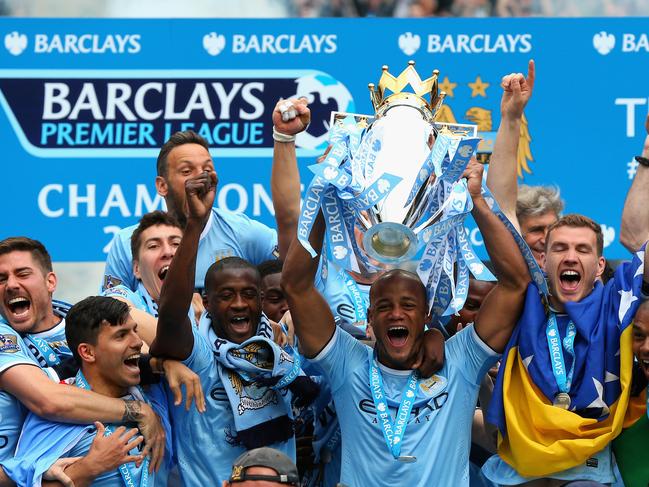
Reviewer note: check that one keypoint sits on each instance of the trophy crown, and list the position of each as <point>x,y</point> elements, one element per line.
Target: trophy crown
<point>409,76</point>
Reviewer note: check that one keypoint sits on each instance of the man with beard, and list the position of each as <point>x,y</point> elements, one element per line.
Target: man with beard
<point>26,286</point>
<point>105,344</point>
<point>428,441</point>
<point>183,156</point>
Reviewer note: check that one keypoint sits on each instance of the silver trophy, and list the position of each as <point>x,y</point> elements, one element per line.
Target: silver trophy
<point>405,126</point>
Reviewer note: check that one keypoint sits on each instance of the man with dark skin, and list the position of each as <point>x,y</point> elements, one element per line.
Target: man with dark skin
<point>398,311</point>
<point>235,314</point>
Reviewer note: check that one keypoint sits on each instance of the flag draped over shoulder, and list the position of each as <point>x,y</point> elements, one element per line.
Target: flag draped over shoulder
<point>535,437</point>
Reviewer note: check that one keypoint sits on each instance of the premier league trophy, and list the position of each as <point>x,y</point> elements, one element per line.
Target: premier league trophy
<point>391,193</point>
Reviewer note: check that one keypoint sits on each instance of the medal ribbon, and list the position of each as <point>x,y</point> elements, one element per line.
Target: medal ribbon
<point>124,469</point>
<point>556,347</point>
<point>393,431</point>
<point>360,304</point>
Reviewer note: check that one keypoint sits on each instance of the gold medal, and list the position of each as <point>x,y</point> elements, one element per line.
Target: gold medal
<point>562,400</point>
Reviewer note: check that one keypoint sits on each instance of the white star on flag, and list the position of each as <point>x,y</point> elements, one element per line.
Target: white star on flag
<point>599,401</point>
<point>627,298</point>
<point>526,361</point>
<point>640,270</point>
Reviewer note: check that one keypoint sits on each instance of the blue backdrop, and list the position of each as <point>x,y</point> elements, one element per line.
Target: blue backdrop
<point>87,103</point>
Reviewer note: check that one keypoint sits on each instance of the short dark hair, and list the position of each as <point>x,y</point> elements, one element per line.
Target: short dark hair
<point>268,267</point>
<point>398,273</point>
<point>147,221</point>
<point>177,139</point>
<point>578,221</point>
<point>227,264</point>
<point>84,319</point>
<point>37,249</point>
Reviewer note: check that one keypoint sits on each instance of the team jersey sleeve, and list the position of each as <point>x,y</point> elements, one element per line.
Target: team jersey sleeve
<point>125,293</point>
<point>259,242</point>
<point>470,354</point>
<point>119,262</point>
<point>340,357</point>
<point>13,350</point>
<point>202,355</point>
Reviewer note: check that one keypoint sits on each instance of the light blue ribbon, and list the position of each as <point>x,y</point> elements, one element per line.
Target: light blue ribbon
<point>393,431</point>
<point>556,347</point>
<point>124,469</point>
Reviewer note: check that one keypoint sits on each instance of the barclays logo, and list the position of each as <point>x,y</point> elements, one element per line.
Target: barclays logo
<point>214,43</point>
<point>409,43</point>
<point>603,42</point>
<point>15,43</point>
<point>608,233</point>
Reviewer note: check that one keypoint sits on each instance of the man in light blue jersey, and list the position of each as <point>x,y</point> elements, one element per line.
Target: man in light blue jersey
<point>26,286</point>
<point>242,413</point>
<point>398,428</point>
<point>185,155</point>
<point>104,342</point>
<point>153,245</point>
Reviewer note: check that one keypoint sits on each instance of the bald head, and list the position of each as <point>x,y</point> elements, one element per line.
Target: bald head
<point>392,276</point>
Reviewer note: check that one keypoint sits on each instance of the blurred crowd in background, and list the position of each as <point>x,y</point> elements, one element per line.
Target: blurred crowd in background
<point>325,8</point>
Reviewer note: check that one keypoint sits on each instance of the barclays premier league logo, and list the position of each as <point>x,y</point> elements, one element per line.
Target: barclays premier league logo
<point>325,95</point>
<point>130,115</point>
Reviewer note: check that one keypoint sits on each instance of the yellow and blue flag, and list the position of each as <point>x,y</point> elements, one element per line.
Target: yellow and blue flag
<point>535,437</point>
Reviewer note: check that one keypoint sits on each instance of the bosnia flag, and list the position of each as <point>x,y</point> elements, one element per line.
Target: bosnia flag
<point>538,439</point>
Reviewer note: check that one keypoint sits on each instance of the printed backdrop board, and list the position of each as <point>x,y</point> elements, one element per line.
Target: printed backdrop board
<point>86,104</point>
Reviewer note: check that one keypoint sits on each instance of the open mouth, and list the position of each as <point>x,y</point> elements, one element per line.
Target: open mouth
<point>240,324</point>
<point>131,362</point>
<point>398,336</point>
<point>19,306</point>
<point>162,273</point>
<point>569,280</point>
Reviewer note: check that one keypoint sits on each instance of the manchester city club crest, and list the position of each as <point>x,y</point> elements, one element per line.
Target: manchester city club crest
<point>479,104</point>
<point>433,386</point>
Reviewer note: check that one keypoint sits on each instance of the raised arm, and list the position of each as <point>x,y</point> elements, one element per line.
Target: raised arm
<point>635,216</point>
<point>290,117</point>
<point>502,306</point>
<point>174,337</point>
<point>502,175</point>
<point>312,318</point>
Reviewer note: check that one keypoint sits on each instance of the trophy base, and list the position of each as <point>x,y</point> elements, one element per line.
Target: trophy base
<point>390,243</point>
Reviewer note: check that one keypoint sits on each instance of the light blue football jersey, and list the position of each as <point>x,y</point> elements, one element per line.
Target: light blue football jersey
<point>226,234</point>
<point>599,468</point>
<point>12,352</point>
<point>205,444</point>
<point>42,442</point>
<point>438,433</point>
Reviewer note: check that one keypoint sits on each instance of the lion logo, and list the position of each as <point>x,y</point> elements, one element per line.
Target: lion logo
<point>482,117</point>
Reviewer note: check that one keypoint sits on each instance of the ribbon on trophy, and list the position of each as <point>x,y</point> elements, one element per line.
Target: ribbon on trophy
<point>385,208</point>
